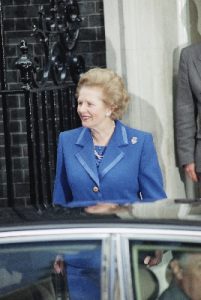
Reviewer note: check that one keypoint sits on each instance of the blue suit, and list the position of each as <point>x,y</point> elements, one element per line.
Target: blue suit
<point>129,170</point>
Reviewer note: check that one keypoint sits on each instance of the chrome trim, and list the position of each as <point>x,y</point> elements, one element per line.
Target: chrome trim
<point>125,270</point>
<point>114,284</point>
<point>120,264</point>
<point>105,269</point>
<point>151,234</point>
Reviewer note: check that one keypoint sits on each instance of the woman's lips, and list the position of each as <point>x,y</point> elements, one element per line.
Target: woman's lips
<point>84,118</point>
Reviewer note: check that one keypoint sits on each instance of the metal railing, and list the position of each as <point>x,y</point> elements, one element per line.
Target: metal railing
<point>48,94</point>
<point>48,111</point>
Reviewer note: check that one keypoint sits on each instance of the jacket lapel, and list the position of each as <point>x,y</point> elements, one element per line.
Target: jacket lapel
<point>114,153</point>
<point>86,155</point>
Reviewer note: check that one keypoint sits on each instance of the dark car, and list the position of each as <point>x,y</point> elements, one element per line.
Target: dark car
<point>101,257</point>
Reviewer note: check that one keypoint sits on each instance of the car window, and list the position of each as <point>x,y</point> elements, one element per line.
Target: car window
<point>51,270</point>
<point>180,266</point>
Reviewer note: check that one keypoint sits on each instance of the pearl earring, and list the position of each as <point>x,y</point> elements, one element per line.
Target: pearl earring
<point>108,114</point>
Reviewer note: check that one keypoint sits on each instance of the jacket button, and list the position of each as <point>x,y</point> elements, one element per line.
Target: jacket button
<point>95,189</point>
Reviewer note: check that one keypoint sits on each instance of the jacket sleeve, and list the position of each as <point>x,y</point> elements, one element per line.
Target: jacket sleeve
<point>150,176</point>
<point>185,113</point>
<point>62,192</point>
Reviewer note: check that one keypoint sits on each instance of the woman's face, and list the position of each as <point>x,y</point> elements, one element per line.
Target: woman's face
<point>91,109</point>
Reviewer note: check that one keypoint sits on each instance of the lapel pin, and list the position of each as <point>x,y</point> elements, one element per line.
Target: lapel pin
<point>134,140</point>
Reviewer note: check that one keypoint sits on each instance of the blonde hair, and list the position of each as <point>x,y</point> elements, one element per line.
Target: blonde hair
<point>112,85</point>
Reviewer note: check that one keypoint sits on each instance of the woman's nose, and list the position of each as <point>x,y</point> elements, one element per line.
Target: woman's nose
<point>81,107</point>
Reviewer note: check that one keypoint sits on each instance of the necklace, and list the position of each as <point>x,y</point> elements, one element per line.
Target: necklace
<point>99,156</point>
<point>99,152</point>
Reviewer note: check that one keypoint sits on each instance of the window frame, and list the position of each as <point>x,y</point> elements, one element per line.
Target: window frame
<point>65,234</point>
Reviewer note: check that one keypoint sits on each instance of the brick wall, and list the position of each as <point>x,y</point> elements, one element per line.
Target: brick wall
<point>18,18</point>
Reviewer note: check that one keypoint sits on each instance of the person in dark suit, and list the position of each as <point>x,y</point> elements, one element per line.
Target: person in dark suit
<point>188,112</point>
<point>186,281</point>
<point>100,165</point>
<point>104,160</point>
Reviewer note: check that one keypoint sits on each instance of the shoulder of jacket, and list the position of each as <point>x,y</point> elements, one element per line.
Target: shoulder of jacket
<point>71,133</point>
<point>137,132</point>
<point>191,49</point>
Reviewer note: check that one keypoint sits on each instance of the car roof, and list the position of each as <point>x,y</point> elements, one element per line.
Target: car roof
<point>32,217</point>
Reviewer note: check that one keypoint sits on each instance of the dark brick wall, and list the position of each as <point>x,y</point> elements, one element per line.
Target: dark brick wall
<point>18,18</point>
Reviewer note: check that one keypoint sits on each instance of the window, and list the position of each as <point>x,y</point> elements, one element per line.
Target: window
<point>180,267</point>
<point>27,270</point>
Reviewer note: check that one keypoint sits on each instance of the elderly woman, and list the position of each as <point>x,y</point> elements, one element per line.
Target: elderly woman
<point>101,165</point>
<point>105,162</point>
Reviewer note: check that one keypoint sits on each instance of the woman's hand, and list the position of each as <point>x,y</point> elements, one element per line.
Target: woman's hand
<point>102,208</point>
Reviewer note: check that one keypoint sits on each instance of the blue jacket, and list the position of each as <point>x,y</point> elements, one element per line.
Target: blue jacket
<point>129,170</point>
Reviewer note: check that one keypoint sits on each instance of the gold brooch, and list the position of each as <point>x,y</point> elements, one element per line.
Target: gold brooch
<point>134,140</point>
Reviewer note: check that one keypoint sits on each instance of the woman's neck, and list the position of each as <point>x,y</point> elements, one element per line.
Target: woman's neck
<point>101,136</point>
